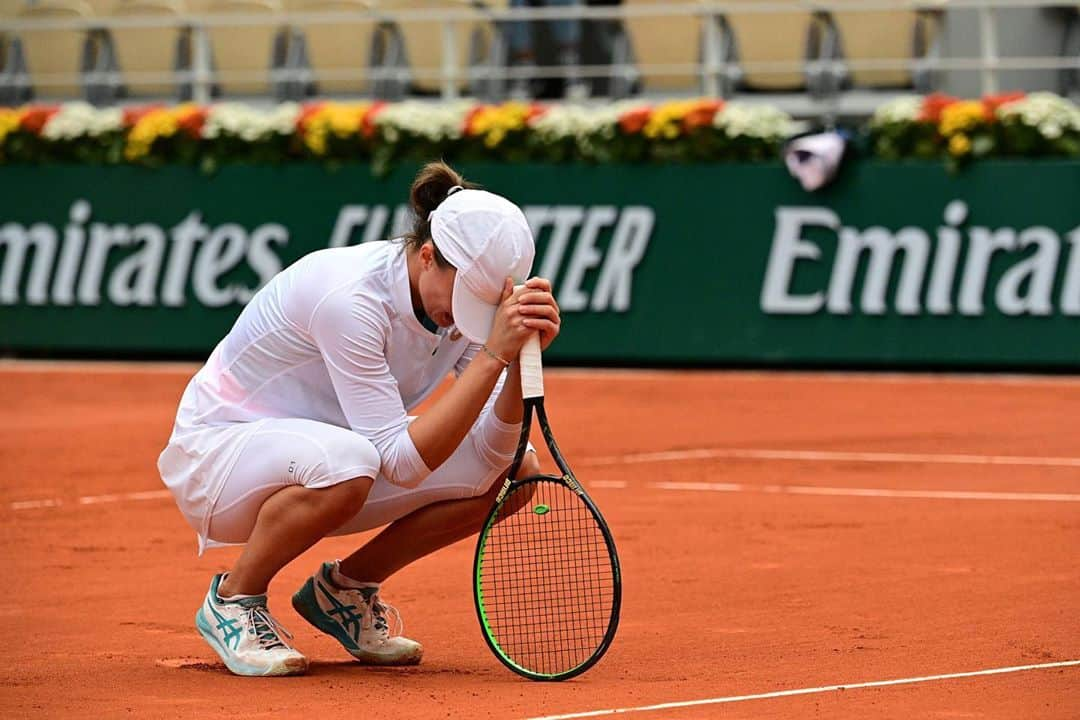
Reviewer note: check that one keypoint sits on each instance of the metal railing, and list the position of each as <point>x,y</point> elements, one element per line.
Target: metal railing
<point>715,73</point>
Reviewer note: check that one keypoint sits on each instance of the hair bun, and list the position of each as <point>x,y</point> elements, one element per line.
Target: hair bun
<point>435,182</point>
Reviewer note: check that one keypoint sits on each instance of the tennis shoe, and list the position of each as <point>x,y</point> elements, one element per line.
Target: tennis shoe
<point>246,636</point>
<point>357,618</point>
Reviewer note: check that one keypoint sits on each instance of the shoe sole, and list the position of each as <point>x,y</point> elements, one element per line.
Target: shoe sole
<point>303,601</point>
<point>288,667</point>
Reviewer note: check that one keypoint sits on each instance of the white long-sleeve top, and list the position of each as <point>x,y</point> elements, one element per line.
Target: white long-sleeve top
<point>334,338</point>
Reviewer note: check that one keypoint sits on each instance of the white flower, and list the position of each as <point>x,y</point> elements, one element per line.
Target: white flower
<point>577,122</point>
<point>757,121</point>
<point>1050,113</point>
<point>905,109</point>
<point>249,124</point>
<point>434,122</point>
<point>283,118</point>
<point>79,119</point>
<point>1050,130</point>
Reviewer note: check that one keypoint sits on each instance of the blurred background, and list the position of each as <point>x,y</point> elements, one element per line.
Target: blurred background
<point>805,57</point>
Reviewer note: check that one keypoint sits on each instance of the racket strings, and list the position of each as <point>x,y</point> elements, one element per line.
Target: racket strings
<point>547,581</point>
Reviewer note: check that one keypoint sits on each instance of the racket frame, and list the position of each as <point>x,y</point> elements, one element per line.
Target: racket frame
<point>535,406</point>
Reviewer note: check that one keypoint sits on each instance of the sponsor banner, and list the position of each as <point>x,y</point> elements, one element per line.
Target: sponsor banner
<point>894,265</point>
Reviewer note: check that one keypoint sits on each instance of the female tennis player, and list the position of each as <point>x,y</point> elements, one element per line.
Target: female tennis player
<point>296,427</point>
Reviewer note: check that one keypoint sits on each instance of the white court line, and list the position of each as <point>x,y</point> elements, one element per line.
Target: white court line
<point>93,499</point>
<point>808,691</point>
<point>675,486</point>
<point>120,497</point>
<point>34,504</point>
<point>828,456</point>
<point>610,484</point>
<point>868,492</point>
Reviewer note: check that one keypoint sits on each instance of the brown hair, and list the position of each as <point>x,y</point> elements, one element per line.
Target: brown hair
<point>429,189</point>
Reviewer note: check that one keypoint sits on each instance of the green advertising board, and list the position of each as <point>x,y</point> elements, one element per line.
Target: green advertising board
<point>894,265</point>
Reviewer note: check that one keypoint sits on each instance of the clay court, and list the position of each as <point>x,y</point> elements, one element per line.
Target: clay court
<point>780,534</point>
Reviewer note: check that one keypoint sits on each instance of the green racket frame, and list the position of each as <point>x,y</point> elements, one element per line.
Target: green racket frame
<point>535,406</point>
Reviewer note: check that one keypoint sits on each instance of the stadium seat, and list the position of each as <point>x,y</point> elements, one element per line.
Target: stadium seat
<point>884,35</point>
<point>149,49</point>
<point>424,40</point>
<point>771,38</point>
<point>243,56</point>
<point>55,58</point>
<point>667,40</point>
<point>339,52</point>
<point>758,37</point>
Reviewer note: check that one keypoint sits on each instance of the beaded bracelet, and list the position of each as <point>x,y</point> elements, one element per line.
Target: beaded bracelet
<point>506,363</point>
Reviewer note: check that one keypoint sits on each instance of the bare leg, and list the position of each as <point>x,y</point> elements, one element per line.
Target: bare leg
<point>424,531</point>
<point>289,522</point>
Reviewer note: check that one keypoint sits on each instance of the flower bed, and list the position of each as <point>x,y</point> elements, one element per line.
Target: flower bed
<point>1012,124</point>
<point>384,133</point>
<point>700,130</point>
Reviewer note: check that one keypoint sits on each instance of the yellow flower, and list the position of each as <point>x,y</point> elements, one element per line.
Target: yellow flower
<point>151,126</point>
<point>667,120</point>
<point>494,122</point>
<point>315,139</point>
<point>344,120</point>
<point>959,144</point>
<point>496,136</point>
<point>9,122</point>
<point>962,116</point>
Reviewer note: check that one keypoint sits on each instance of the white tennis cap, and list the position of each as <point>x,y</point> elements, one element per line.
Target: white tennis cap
<point>486,237</point>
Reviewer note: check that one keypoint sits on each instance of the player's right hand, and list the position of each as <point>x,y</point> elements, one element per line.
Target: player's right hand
<point>524,310</point>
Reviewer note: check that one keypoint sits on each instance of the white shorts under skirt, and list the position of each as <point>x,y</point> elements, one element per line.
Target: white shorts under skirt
<point>221,484</point>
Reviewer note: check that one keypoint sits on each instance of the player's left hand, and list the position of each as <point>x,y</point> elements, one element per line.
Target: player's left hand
<point>538,310</point>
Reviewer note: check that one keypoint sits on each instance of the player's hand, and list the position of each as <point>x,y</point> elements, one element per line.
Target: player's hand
<point>522,312</point>
<point>539,310</point>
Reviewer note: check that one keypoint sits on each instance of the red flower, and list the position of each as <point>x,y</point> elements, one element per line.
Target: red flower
<point>993,102</point>
<point>702,115</point>
<point>470,117</point>
<point>34,119</point>
<point>133,115</point>
<point>367,126</point>
<point>535,111</point>
<point>192,122</point>
<point>932,106</point>
<point>306,114</point>
<point>632,121</point>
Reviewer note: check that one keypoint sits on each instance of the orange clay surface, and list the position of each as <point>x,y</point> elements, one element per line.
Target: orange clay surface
<point>725,593</point>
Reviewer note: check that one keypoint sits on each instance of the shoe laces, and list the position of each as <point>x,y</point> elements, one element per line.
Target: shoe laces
<point>374,613</point>
<point>266,628</point>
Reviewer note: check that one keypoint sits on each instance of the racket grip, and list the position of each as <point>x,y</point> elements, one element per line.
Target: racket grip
<point>532,370</point>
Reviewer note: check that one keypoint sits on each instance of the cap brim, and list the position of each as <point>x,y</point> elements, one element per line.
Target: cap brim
<point>472,316</point>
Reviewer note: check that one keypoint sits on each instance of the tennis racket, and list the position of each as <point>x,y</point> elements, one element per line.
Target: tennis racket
<point>547,582</point>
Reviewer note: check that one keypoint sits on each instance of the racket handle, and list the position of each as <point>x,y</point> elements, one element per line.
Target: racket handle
<point>532,370</point>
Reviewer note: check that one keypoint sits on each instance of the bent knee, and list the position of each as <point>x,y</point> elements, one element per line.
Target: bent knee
<point>354,492</point>
<point>341,501</point>
<point>530,465</point>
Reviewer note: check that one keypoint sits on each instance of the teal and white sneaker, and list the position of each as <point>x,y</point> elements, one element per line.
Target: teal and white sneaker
<point>246,636</point>
<point>357,618</point>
